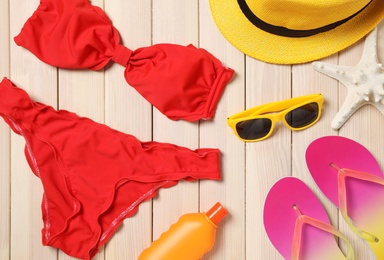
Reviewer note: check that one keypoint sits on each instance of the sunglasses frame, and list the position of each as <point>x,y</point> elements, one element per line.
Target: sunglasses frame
<point>275,111</point>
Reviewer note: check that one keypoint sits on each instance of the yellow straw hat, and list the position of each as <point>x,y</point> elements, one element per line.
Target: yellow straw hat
<point>295,31</point>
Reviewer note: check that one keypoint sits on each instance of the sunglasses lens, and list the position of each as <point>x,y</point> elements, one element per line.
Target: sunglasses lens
<point>303,116</point>
<point>254,129</point>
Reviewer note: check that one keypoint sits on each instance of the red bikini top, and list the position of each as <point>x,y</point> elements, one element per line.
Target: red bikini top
<point>183,82</point>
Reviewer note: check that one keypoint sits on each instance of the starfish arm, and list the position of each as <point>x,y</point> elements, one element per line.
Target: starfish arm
<point>364,81</point>
<point>344,74</point>
<point>370,48</point>
<point>351,104</point>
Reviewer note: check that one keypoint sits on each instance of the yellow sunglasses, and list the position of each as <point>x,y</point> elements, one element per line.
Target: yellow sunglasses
<point>257,123</point>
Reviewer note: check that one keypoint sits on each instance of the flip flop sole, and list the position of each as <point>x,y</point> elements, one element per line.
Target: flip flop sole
<point>344,153</point>
<point>365,199</point>
<point>280,218</point>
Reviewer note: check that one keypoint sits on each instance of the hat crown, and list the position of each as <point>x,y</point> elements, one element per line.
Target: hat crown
<point>304,14</point>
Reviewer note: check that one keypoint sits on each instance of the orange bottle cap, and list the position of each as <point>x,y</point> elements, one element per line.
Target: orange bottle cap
<point>217,213</point>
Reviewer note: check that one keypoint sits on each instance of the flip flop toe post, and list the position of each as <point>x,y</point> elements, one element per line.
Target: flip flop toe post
<point>298,225</point>
<point>349,175</point>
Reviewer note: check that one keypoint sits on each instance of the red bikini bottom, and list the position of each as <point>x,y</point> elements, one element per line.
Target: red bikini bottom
<point>93,176</point>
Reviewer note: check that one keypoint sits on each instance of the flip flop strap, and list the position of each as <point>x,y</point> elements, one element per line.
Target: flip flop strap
<point>297,235</point>
<point>342,197</point>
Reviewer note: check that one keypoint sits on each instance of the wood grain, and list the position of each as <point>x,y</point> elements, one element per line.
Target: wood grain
<point>248,169</point>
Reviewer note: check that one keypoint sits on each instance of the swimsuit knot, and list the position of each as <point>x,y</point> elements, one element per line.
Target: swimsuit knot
<point>122,55</point>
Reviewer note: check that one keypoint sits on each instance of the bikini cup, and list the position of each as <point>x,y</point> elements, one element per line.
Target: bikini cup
<point>182,82</point>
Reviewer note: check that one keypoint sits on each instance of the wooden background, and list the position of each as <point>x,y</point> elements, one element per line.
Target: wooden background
<point>248,170</point>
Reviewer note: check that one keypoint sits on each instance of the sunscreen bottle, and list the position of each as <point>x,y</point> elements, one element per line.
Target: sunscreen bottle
<point>189,238</point>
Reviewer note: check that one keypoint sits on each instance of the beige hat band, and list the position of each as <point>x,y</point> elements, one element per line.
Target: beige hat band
<point>283,31</point>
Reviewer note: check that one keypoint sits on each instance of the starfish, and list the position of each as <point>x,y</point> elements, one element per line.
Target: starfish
<point>364,81</point>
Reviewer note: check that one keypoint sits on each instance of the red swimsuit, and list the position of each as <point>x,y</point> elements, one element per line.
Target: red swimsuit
<point>181,82</point>
<point>93,176</point>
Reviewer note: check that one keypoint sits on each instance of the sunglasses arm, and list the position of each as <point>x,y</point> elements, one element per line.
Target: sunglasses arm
<point>274,107</point>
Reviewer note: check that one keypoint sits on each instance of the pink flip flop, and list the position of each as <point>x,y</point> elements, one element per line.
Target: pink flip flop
<point>298,225</point>
<point>349,175</point>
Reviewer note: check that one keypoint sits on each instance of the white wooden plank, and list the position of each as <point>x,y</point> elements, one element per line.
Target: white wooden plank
<point>4,32</point>
<point>5,170</point>
<point>5,185</point>
<point>267,160</point>
<point>82,92</point>
<point>230,191</point>
<point>308,81</point>
<point>39,80</point>
<point>174,22</point>
<point>129,112</point>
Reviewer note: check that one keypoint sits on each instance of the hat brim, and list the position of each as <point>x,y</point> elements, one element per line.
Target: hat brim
<point>267,47</point>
